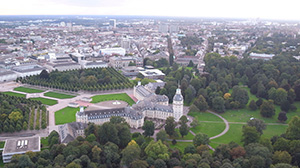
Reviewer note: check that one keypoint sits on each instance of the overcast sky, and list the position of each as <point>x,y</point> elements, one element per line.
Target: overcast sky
<point>266,9</point>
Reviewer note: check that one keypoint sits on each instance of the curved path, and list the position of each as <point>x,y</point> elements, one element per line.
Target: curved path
<point>226,125</point>
<point>214,137</point>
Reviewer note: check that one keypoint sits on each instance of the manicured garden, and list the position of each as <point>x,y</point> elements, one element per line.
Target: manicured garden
<point>65,115</point>
<point>45,101</point>
<point>118,96</point>
<point>28,90</point>
<point>58,95</point>
<point>15,94</point>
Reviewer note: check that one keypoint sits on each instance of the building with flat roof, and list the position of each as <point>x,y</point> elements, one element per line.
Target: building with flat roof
<point>111,51</point>
<point>153,74</point>
<point>20,146</point>
<point>261,56</point>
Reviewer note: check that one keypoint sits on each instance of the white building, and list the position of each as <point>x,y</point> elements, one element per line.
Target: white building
<point>7,76</point>
<point>261,56</point>
<point>113,23</point>
<point>149,105</point>
<point>111,51</point>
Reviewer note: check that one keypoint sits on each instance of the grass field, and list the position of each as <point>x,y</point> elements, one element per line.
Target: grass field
<point>211,129</point>
<point>45,101</point>
<point>2,143</point>
<point>58,95</point>
<point>28,90</point>
<point>234,134</point>
<point>119,96</point>
<point>189,136</point>
<point>65,115</point>
<point>15,94</point>
<point>44,142</point>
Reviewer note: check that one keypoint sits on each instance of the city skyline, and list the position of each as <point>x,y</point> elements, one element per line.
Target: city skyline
<point>283,10</point>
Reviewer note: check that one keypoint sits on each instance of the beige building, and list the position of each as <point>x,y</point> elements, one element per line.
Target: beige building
<point>149,105</point>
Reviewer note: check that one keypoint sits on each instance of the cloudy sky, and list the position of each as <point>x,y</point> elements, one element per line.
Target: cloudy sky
<point>268,9</point>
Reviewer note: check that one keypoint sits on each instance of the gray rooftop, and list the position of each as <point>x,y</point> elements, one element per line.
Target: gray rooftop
<point>21,145</point>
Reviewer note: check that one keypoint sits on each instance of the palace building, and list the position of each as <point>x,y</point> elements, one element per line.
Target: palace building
<point>149,105</point>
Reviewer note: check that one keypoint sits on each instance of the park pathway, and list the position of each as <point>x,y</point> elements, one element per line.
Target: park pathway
<point>214,137</point>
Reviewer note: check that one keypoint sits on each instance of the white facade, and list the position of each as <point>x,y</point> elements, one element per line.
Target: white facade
<point>149,105</point>
<point>111,51</point>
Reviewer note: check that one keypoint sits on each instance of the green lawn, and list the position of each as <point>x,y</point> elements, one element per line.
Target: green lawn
<point>274,130</point>
<point>44,141</point>
<point>28,90</point>
<point>189,136</point>
<point>45,101</point>
<point>15,94</point>
<point>180,145</point>
<point>2,144</point>
<point>65,115</point>
<point>210,129</point>
<point>58,95</point>
<point>119,96</point>
<point>234,134</point>
<point>204,116</point>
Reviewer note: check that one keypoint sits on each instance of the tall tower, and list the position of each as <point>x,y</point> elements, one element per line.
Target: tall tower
<point>178,105</point>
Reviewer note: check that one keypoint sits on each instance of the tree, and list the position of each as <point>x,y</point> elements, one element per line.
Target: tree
<point>170,126</point>
<point>191,64</point>
<point>161,135</point>
<point>15,116</point>
<point>267,109</point>
<point>44,74</point>
<point>96,151</point>
<point>285,106</point>
<point>130,154</point>
<point>25,161</point>
<point>91,138</point>
<point>281,96</point>
<point>258,124</point>
<point>218,104</point>
<point>250,135</point>
<point>124,134</point>
<point>237,152</point>
<point>195,122</point>
<point>73,165</point>
<point>240,95</point>
<point>53,138</point>
<point>157,90</point>
<point>159,163</point>
<point>227,96</point>
<point>117,120</point>
<point>157,150</point>
<point>148,128</point>
<point>201,103</point>
<point>108,132</point>
<point>189,96</point>
<point>281,157</point>
<point>293,130</point>
<point>282,116</point>
<point>201,139</point>
<point>253,105</point>
<point>139,164</point>
<point>183,129</point>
